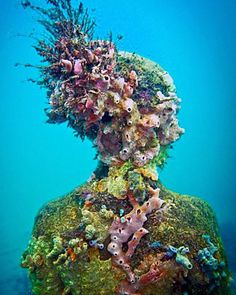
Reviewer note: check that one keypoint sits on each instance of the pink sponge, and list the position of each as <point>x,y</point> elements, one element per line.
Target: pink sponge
<point>131,225</point>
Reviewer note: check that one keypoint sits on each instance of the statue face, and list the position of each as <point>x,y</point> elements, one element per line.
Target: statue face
<point>125,103</point>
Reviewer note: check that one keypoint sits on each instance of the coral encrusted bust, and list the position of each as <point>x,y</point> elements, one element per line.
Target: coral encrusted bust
<point>122,232</point>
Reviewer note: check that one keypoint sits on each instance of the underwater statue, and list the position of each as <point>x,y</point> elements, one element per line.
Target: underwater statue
<point>122,232</point>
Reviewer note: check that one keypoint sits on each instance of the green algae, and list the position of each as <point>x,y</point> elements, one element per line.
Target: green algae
<point>97,223</point>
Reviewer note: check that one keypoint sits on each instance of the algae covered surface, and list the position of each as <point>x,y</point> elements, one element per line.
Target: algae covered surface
<point>122,232</point>
<point>58,264</point>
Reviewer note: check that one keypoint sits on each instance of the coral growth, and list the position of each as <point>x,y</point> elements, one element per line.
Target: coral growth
<point>96,223</point>
<point>210,265</point>
<point>100,92</point>
<point>131,225</point>
<point>121,232</point>
<point>54,269</point>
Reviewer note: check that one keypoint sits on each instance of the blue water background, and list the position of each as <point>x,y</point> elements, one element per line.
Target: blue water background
<point>195,41</point>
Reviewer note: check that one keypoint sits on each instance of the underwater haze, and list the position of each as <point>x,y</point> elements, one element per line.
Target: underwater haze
<point>195,41</point>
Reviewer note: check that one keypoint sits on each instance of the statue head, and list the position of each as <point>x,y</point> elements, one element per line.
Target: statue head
<point>124,103</point>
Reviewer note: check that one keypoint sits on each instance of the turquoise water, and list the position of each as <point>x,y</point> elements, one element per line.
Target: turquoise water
<point>195,42</point>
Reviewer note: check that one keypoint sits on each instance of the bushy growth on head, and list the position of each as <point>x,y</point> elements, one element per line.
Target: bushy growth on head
<point>124,103</point>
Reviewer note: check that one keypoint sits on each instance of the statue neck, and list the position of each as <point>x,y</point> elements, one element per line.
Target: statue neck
<point>118,180</point>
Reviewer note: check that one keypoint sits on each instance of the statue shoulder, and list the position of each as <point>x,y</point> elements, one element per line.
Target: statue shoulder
<point>186,221</point>
<point>190,210</point>
<point>55,219</point>
<point>57,216</point>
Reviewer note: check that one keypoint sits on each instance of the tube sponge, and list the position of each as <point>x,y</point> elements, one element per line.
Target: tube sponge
<point>131,225</point>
